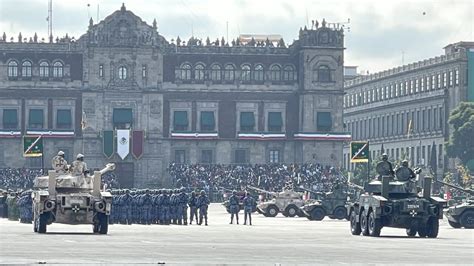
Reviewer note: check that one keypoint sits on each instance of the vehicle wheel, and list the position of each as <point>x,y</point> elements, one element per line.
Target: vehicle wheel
<point>272,211</point>
<point>374,224</point>
<point>355,226</point>
<point>42,222</point>
<point>363,223</point>
<point>103,223</point>
<point>467,219</point>
<point>285,213</point>
<point>433,227</point>
<point>422,231</point>
<point>411,231</point>
<point>291,211</point>
<point>318,213</point>
<point>454,224</point>
<point>340,213</point>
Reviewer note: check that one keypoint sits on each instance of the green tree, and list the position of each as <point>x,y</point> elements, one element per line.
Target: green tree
<point>460,139</point>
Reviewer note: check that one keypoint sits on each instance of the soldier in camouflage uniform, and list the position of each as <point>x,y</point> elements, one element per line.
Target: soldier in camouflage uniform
<point>234,207</point>
<point>79,167</point>
<point>203,204</point>
<point>192,203</point>
<point>183,207</point>
<point>249,204</point>
<point>59,164</point>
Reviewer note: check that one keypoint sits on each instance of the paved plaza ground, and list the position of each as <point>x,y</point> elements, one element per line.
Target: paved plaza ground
<point>269,241</point>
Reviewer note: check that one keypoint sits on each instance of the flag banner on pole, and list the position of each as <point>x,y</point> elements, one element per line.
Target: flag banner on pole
<point>137,143</point>
<point>410,125</point>
<point>32,146</point>
<point>108,143</point>
<point>123,142</point>
<point>359,151</point>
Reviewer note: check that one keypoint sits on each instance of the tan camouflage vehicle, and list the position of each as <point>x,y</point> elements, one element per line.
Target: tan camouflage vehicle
<point>287,202</point>
<point>69,199</point>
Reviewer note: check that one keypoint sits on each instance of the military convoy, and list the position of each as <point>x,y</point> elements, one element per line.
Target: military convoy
<point>71,199</point>
<point>461,215</point>
<point>393,201</point>
<point>287,202</point>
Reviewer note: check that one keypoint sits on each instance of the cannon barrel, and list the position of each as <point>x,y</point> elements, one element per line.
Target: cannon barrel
<point>350,184</point>
<point>466,190</point>
<point>108,168</point>
<point>260,190</point>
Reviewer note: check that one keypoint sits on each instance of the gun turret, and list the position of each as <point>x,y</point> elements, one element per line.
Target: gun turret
<point>465,190</point>
<point>261,190</point>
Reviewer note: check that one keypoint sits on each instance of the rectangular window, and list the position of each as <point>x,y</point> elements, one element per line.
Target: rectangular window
<point>180,156</point>
<point>247,122</point>
<point>63,119</point>
<point>445,80</point>
<point>435,118</point>
<point>428,83</point>
<point>275,122</point>
<point>207,156</point>
<point>422,85</point>
<point>456,74</point>
<point>274,156</point>
<point>423,155</point>
<point>383,126</point>
<point>122,118</point>
<point>324,121</point>
<point>417,83</point>
<point>423,122</point>
<point>433,81</point>
<point>428,126</point>
<point>418,121</point>
<point>441,118</point>
<point>450,78</point>
<point>10,118</point>
<point>412,86</point>
<point>240,156</point>
<point>144,71</point>
<point>180,121</point>
<point>439,81</point>
<point>208,122</point>
<point>440,156</point>
<point>36,119</point>
<point>397,154</point>
<point>101,71</point>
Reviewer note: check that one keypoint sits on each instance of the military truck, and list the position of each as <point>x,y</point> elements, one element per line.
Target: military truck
<point>69,199</point>
<point>460,215</point>
<point>331,204</point>
<point>287,202</point>
<point>393,201</point>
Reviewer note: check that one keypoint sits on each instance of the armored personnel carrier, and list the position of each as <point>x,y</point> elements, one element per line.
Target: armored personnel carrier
<point>287,202</point>
<point>69,199</point>
<point>393,201</point>
<point>461,215</point>
<point>331,204</point>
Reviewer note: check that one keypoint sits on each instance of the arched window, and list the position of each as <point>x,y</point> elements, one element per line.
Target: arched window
<point>215,73</point>
<point>258,73</point>
<point>44,69</point>
<point>26,69</point>
<point>324,74</point>
<point>288,73</point>
<point>275,73</point>
<point>186,72</point>
<point>12,69</point>
<point>245,73</point>
<point>122,72</point>
<point>199,72</point>
<point>229,72</point>
<point>58,70</point>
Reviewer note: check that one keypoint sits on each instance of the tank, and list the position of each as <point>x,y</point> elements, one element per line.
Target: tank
<point>331,204</point>
<point>461,215</point>
<point>286,202</point>
<point>394,201</point>
<point>69,199</point>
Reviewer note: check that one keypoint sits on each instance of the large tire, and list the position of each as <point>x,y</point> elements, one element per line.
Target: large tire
<point>103,223</point>
<point>364,223</point>
<point>454,224</point>
<point>467,219</point>
<point>318,214</point>
<point>340,213</point>
<point>374,224</point>
<point>355,225</point>
<point>42,223</point>
<point>433,227</point>
<point>272,211</point>
<point>422,231</point>
<point>291,210</point>
<point>411,231</point>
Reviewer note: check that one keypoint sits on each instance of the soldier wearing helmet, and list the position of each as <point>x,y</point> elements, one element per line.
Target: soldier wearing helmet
<point>79,167</point>
<point>59,163</point>
<point>384,168</point>
<point>404,173</point>
<point>203,204</point>
<point>234,207</point>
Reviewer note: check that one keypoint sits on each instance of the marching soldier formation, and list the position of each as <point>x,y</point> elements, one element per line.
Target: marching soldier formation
<point>162,206</point>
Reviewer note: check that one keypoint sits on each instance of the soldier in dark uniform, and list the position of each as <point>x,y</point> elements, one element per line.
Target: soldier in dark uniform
<point>183,207</point>
<point>192,203</point>
<point>166,207</point>
<point>404,173</point>
<point>203,204</point>
<point>234,207</point>
<point>249,204</point>
<point>384,168</point>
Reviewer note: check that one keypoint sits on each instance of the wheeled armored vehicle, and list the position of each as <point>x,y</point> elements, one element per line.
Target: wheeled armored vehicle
<point>393,201</point>
<point>461,215</point>
<point>331,204</point>
<point>287,202</point>
<point>70,199</point>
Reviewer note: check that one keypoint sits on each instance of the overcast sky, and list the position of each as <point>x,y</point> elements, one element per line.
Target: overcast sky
<point>382,32</point>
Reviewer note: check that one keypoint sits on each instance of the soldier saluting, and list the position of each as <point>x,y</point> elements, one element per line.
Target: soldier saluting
<point>59,163</point>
